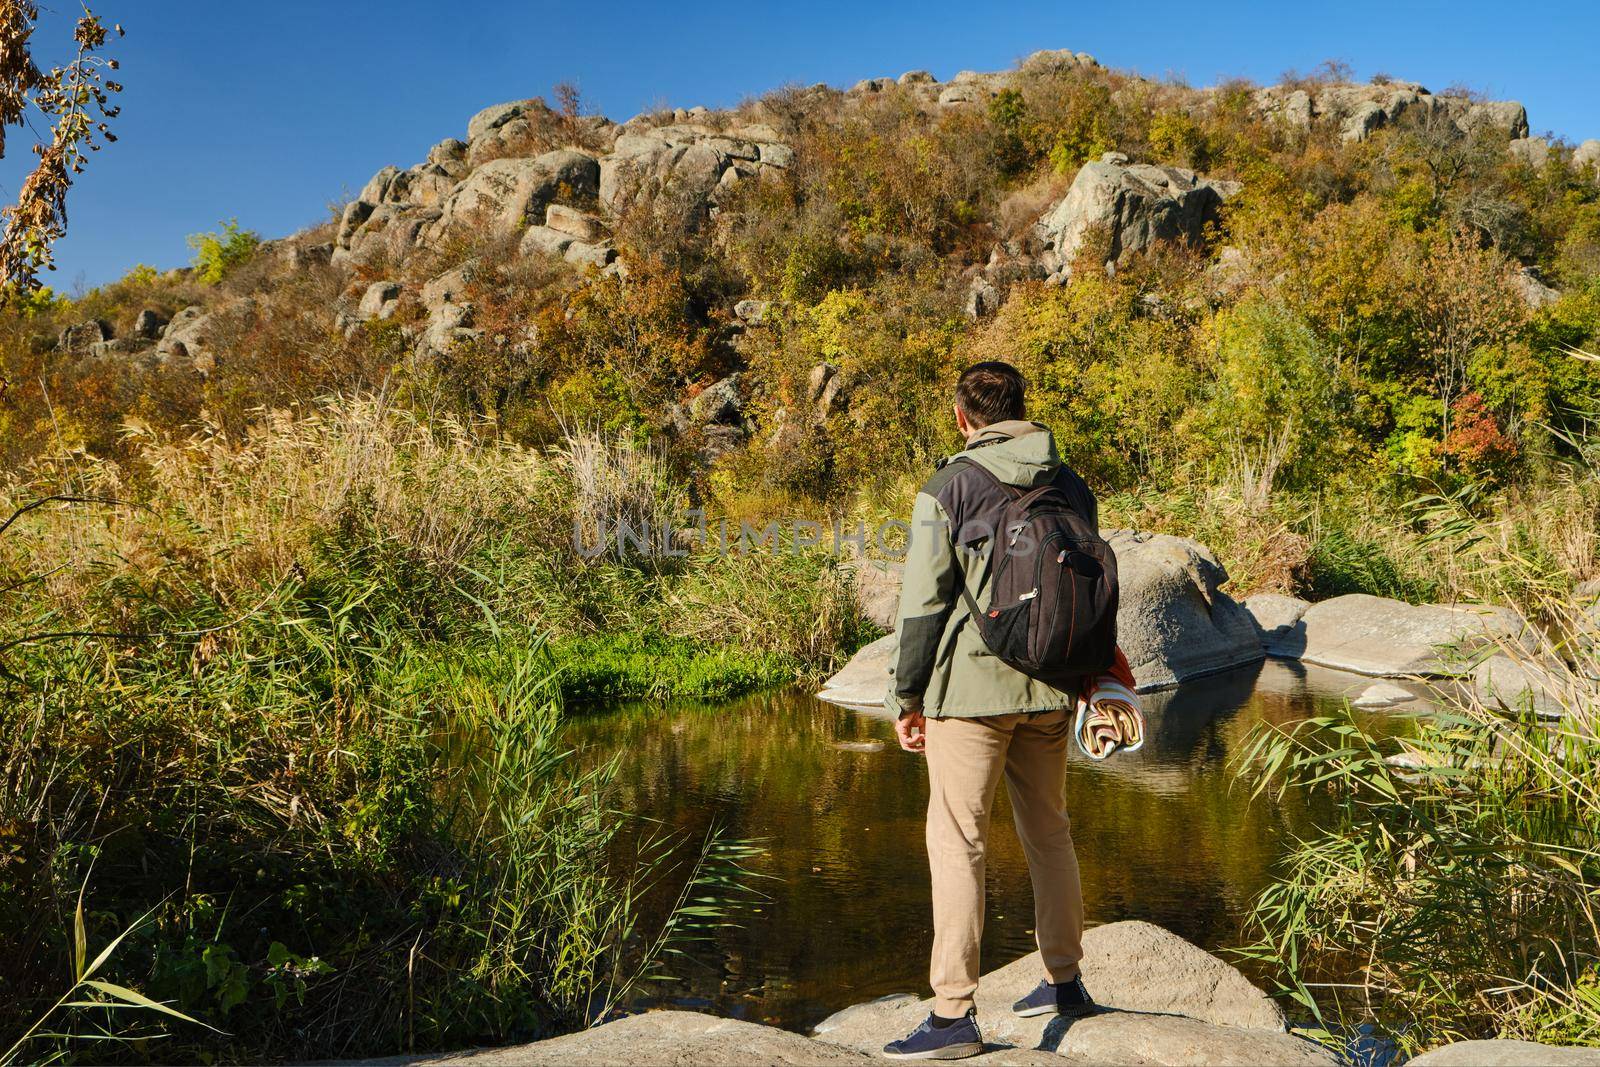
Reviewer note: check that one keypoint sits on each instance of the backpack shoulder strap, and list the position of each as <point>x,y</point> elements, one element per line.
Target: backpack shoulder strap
<point>1011,491</point>
<point>1015,492</point>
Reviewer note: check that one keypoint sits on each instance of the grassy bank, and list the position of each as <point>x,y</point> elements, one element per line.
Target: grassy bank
<point>1453,895</point>
<point>284,714</point>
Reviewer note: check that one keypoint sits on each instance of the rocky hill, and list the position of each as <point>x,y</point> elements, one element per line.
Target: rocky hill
<point>434,246</point>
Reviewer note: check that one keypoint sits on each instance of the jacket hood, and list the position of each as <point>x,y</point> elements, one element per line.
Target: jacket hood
<point>1017,452</point>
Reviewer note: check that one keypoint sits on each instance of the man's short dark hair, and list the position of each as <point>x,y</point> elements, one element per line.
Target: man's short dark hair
<point>990,392</point>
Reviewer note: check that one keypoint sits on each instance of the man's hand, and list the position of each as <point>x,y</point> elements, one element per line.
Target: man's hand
<point>909,730</point>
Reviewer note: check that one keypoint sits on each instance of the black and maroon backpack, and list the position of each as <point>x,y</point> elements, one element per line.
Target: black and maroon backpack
<point>1052,588</point>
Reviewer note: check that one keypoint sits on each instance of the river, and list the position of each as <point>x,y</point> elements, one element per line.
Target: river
<point>1166,834</point>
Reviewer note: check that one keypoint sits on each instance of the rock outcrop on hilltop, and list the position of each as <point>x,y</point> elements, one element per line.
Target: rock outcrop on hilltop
<point>1135,204</point>
<point>556,185</point>
<point>1357,110</point>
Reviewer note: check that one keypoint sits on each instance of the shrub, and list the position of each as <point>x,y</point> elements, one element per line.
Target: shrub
<point>218,252</point>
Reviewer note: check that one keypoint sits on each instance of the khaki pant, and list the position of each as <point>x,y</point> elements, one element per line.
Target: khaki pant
<point>965,760</point>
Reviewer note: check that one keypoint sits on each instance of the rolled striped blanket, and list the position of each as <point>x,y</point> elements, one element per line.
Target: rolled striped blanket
<point>1110,717</point>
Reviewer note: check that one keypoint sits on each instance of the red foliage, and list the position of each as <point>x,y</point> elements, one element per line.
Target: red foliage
<point>1476,440</point>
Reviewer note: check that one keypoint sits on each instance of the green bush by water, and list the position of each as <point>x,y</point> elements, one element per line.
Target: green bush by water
<point>1452,894</point>
<point>620,666</point>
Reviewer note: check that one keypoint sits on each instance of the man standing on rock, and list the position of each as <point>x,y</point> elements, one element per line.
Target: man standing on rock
<point>977,718</point>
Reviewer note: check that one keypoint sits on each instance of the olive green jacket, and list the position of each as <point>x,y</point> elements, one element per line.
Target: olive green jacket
<point>942,667</point>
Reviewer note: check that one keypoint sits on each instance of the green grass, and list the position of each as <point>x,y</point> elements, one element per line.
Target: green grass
<point>1450,896</point>
<point>621,666</point>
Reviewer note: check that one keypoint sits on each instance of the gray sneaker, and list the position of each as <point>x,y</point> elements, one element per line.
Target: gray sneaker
<point>1062,998</point>
<point>929,1042</point>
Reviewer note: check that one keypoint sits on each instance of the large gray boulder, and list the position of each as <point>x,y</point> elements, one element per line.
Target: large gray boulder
<point>1587,154</point>
<point>689,163</point>
<point>1170,1002</point>
<point>148,324</point>
<point>1056,61</point>
<point>1521,683</point>
<point>1139,204</point>
<point>379,301</point>
<point>1275,616</point>
<point>392,230</point>
<point>1506,116</point>
<point>578,224</point>
<point>188,338</point>
<point>1389,638</point>
<point>1534,292</point>
<point>80,335</point>
<point>864,681</point>
<point>449,287</point>
<point>1504,1053</point>
<point>1175,622</point>
<point>507,194</point>
<point>494,117</point>
<point>1534,151</point>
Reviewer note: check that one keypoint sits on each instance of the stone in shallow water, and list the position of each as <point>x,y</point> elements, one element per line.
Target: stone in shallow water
<point>1383,695</point>
<point>864,681</point>
<point>1519,684</point>
<point>1174,623</point>
<point>1276,616</point>
<point>1506,1054</point>
<point>1389,638</point>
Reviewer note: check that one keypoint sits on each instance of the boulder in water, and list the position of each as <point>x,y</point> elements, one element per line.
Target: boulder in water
<point>1175,622</point>
<point>1389,638</point>
<point>1383,695</point>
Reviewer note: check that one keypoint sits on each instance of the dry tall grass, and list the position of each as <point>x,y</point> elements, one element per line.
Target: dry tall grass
<point>237,511</point>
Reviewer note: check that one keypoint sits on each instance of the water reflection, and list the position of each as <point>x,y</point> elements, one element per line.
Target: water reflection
<point>1164,834</point>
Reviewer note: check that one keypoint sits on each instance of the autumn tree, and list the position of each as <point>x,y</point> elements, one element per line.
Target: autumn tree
<point>75,99</point>
<point>1463,301</point>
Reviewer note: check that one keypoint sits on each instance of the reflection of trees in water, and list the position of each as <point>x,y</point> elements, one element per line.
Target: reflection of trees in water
<point>1162,834</point>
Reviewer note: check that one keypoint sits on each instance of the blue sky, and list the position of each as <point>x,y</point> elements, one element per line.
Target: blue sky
<point>270,112</point>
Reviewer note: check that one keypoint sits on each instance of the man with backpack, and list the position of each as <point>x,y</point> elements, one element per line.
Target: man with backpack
<point>1008,604</point>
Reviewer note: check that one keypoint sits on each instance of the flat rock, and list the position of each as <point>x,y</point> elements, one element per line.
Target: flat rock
<point>863,682</point>
<point>1389,638</point>
<point>656,1039</point>
<point>1383,695</point>
<point>1130,966</point>
<point>1129,1038</point>
<point>1506,1054</point>
<point>1520,684</point>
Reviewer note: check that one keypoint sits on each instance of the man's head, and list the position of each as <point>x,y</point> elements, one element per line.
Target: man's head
<point>987,393</point>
